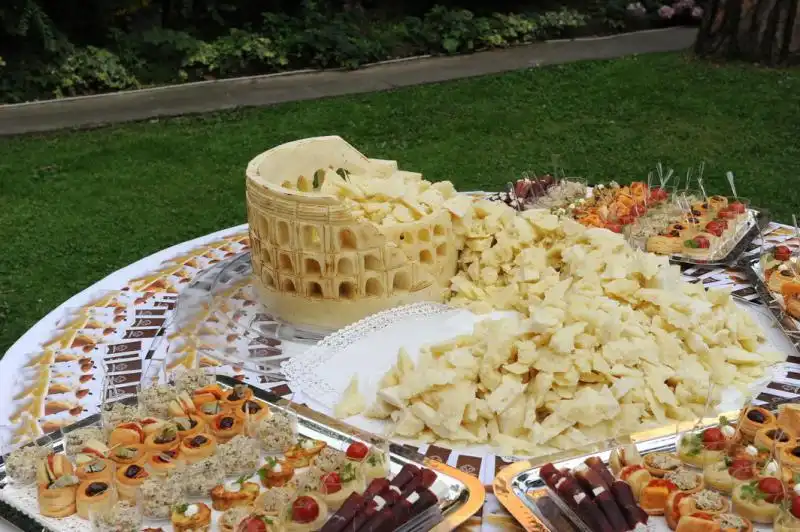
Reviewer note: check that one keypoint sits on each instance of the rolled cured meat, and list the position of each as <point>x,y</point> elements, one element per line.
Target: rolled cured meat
<point>591,514</point>
<point>597,464</point>
<point>345,514</point>
<point>608,505</point>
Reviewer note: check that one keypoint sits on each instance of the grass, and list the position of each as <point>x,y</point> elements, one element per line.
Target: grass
<point>75,206</point>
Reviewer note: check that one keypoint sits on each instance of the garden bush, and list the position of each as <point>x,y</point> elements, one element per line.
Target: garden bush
<point>50,53</point>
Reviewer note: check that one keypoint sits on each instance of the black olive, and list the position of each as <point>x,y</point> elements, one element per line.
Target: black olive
<point>679,227</point>
<point>96,488</point>
<point>132,471</point>
<point>226,422</point>
<point>779,435</point>
<point>198,440</point>
<point>192,423</point>
<point>251,407</point>
<point>757,416</point>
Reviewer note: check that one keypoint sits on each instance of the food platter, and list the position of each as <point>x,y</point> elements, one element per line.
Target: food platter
<point>660,221</point>
<point>521,487</point>
<point>459,495</point>
<point>752,267</point>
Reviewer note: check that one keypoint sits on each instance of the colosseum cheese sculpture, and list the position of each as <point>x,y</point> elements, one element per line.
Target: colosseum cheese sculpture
<point>336,236</point>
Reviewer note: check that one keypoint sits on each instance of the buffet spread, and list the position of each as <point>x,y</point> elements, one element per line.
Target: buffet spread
<point>555,317</point>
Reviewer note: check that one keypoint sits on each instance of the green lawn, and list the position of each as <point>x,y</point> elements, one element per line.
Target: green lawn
<point>76,206</point>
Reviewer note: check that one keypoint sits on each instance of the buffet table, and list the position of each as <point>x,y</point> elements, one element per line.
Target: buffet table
<point>140,294</point>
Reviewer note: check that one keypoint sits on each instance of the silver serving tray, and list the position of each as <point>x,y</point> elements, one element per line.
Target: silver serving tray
<point>452,492</point>
<point>790,326</point>
<point>552,512</point>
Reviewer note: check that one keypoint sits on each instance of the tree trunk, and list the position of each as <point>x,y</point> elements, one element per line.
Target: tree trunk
<point>764,31</point>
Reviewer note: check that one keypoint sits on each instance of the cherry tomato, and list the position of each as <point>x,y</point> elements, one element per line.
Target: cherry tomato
<point>772,488</point>
<point>638,210</point>
<point>741,469</point>
<point>702,242</point>
<point>252,524</point>
<point>304,509</point>
<point>713,439</point>
<point>737,207</point>
<point>795,509</point>
<point>357,451</point>
<point>782,253</point>
<point>331,483</point>
<point>614,228</point>
<point>626,220</point>
<point>726,214</point>
<point>714,228</point>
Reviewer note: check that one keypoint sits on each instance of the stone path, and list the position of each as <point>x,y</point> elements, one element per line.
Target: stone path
<point>210,96</point>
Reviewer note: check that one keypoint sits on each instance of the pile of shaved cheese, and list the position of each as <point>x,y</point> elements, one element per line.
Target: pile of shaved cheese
<point>608,341</point>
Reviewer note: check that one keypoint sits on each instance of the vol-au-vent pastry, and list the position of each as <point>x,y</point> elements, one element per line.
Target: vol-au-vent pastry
<point>211,409</point>
<point>97,469</point>
<point>56,486</point>
<point>238,395</point>
<point>680,504</point>
<point>659,464</point>
<point>225,426</point>
<point>687,481</point>
<point>207,394</point>
<point>189,426</point>
<point>126,433</point>
<point>163,440</point>
<point>252,411</point>
<point>195,448</point>
<point>129,478</point>
<point>164,462</point>
<point>702,447</point>
<point>724,474</point>
<point>95,495</point>
<point>758,500</point>
<point>308,513</point>
<point>337,486</point>
<point>789,417</point>
<point>127,454</point>
<point>754,419</point>
<point>777,437</point>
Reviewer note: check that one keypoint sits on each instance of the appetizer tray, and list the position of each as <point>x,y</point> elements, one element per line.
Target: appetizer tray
<point>751,265</point>
<point>730,251</point>
<point>458,494</point>
<point>522,489</point>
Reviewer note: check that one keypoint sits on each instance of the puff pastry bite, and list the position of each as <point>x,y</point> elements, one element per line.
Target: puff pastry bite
<point>659,464</point>
<point>702,447</point>
<point>126,433</point>
<point>252,411</point>
<point>129,478</point>
<point>95,495</point>
<point>236,396</point>
<point>308,513</point>
<point>758,500</point>
<point>195,448</point>
<point>778,437</point>
<point>234,494</point>
<point>97,469</point>
<point>680,504</point>
<point>128,454</point>
<point>686,480</point>
<point>225,426</point>
<point>195,517</point>
<point>164,462</point>
<point>56,486</point>
<point>207,394</point>
<point>754,419</point>
<point>189,426</point>
<point>163,440</point>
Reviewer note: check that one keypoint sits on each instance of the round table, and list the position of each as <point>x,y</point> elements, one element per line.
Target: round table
<point>139,299</point>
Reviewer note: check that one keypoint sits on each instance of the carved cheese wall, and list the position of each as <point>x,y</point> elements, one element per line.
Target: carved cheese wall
<point>320,267</point>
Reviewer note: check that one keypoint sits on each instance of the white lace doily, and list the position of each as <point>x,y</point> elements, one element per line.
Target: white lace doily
<point>301,371</point>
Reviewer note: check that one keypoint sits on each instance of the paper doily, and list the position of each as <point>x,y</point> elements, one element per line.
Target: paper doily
<point>299,370</point>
